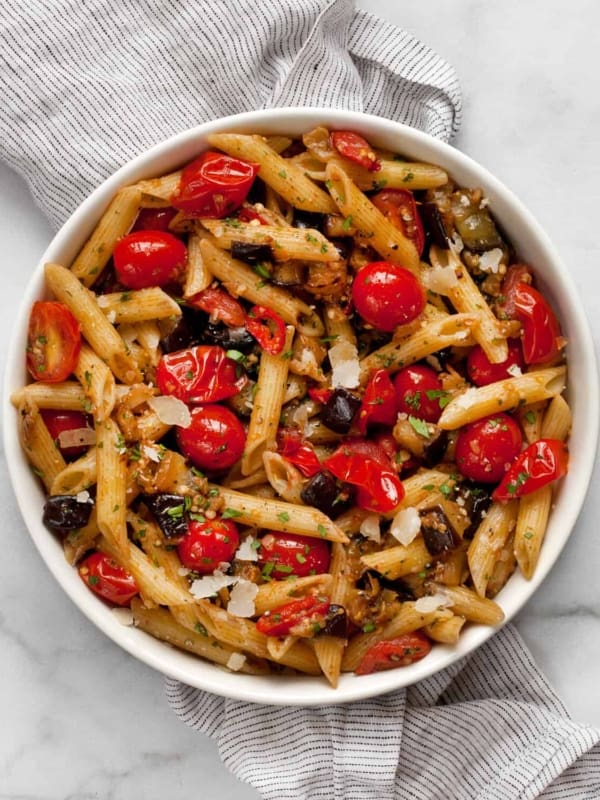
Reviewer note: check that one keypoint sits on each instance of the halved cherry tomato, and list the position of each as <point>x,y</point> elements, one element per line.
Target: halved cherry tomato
<point>59,422</point>
<point>481,370</point>
<point>419,392</point>
<point>202,374</point>
<point>214,440</point>
<point>108,579</point>
<point>208,544</point>
<point>319,395</point>
<point>386,295</point>
<point>295,449</point>
<point>485,449</point>
<point>154,219</point>
<point>541,463</point>
<point>149,258</point>
<point>540,335</point>
<point>283,554</point>
<point>299,618</point>
<point>379,402</point>
<point>214,185</point>
<point>515,274</point>
<point>267,327</point>
<point>399,206</point>
<point>366,465</point>
<point>53,341</point>
<point>399,652</point>
<point>355,148</point>
<point>389,445</point>
<point>220,305</point>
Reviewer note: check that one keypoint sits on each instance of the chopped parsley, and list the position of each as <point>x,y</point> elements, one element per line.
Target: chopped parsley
<point>322,530</point>
<point>231,513</point>
<point>283,517</point>
<point>419,426</point>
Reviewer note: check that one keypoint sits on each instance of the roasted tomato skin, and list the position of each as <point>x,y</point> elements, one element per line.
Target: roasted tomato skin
<point>108,579</point>
<point>214,440</point>
<point>481,371</point>
<point>419,392</point>
<point>53,341</point>
<point>268,328</point>
<point>214,185</point>
<point>544,461</point>
<point>540,337</point>
<point>201,374</point>
<point>379,404</point>
<point>485,449</point>
<point>221,306</point>
<point>400,208</point>
<point>399,652</point>
<point>387,295</point>
<point>149,258</point>
<point>355,148</point>
<point>284,554</point>
<point>208,544</point>
<point>302,617</point>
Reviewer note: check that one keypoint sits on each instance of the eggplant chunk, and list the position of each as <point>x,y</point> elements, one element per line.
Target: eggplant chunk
<point>438,533</point>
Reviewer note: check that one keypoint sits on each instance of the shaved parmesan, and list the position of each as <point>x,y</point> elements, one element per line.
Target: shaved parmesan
<point>424,605</point>
<point>123,615</point>
<point>457,244</point>
<point>406,525</point>
<point>112,316</point>
<point>103,301</point>
<point>151,452</point>
<point>83,497</point>
<point>171,411</point>
<point>241,599</point>
<point>370,528</point>
<point>183,571</point>
<point>440,279</point>
<point>247,550</point>
<point>490,260</point>
<point>77,437</point>
<point>236,662</point>
<point>343,358</point>
<point>209,585</point>
<point>514,370</point>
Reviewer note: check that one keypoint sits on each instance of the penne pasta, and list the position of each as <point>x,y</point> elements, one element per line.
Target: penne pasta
<point>66,395</point>
<point>138,306</point>
<point>488,541</point>
<point>38,445</point>
<point>97,382</point>
<point>556,422</point>
<point>111,499</point>
<point>532,519</point>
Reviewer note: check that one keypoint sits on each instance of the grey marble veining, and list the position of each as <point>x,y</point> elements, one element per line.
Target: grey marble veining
<point>80,719</point>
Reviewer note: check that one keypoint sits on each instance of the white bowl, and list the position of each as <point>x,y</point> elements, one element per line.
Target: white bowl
<point>532,245</point>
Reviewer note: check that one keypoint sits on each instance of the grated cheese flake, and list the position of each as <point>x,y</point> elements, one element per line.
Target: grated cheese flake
<point>406,525</point>
<point>209,585</point>
<point>123,615</point>
<point>171,411</point>
<point>247,550</point>
<point>424,605</point>
<point>236,662</point>
<point>343,358</point>
<point>514,370</point>
<point>440,279</point>
<point>370,528</point>
<point>490,260</point>
<point>241,599</point>
<point>83,496</point>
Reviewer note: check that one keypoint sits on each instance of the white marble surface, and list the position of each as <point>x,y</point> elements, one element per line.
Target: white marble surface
<point>81,719</point>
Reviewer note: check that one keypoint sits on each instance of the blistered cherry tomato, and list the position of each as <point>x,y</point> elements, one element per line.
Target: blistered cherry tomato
<point>399,206</point>
<point>399,652</point>
<point>379,405</point>
<point>355,148</point>
<point>208,544</point>
<point>515,274</point>
<point>59,422</point>
<point>53,341</point>
<point>485,449</point>
<point>541,463</point>
<point>386,295</point>
<point>367,466</point>
<point>214,440</point>
<point>108,579</point>
<point>299,618</point>
<point>419,392</point>
<point>319,395</point>
<point>268,329</point>
<point>540,335</point>
<point>149,258</point>
<point>221,306</point>
<point>282,554</point>
<point>295,449</point>
<point>481,370</point>
<point>214,185</point>
<point>154,219</point>
<point>202,374</point>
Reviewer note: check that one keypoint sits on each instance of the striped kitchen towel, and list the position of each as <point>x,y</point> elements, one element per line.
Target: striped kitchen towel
<point>87,85</point>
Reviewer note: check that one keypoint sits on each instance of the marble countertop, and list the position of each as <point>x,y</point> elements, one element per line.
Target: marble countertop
<point>82,719</point>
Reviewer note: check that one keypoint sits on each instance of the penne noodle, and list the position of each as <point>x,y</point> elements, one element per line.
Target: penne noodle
<point>445,630</point>
<point>98,383</point>
<point>138,306</point>
<point>468,604</point>
<point>162,188</point>
<point>532,519</point>
<point>38,445</point>
<point>277,593</point>
<point>395,562</point>
<point>78,542</point>
<point>557,420</point>
<point>487,543</point>
<point>63,396</point>
<point>111,498</point>
<point>197,276</point>
<point>77,476</point>
<point>283,477</point>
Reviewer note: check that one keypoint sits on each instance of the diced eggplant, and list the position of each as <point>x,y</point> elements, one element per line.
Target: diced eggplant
<point>475,225</point>
<point>372,581</point>
<point>336,622</point>
<point>477,499</point>
<point>438,533</point>
<point>63,512</point>
<point>251,253</point>
<point>228,338</point>
<point>435,447</point>
<point>434,225</point>
<point>289,273</point>
<point>307,219</point>
<point>169,512</point>
<point>339,411</point>
<point>186,333</point>
<point>323,492</point>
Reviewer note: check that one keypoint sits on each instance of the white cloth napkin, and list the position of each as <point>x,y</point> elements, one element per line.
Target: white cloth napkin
<point>88,84</point>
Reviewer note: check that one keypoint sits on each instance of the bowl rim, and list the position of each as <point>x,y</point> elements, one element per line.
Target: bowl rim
<point>189,669</point>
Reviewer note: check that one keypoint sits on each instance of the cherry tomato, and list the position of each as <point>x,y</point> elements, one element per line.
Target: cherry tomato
<point>268,329</point>
<point>379,405</point>
<point>386,295</point>
<point>419,393</point>
<point>319,395</point>
<point>247,214</point>
<point>149,258</point>
<point>541,463</point>
<point>53,341</point>
<point>59,422</point>
<point>108,579</point>
<point>214,185</point>
<point>214,440</point>
<point>399,652</point>
<point>283,554</point>
<point>355,148</point>
<point>517,273</point>
<point>220,305</point>
<point>481,370</point>
<point>389,445</point>
<point>295,449</point>
<point>298,618</point>
<point>208,544</point>
<point>540,335</point>
<point>202,374</point>
<point>366,465</point>
<point>399,206</point>
<point>485,449</point>
<point>154,219</point>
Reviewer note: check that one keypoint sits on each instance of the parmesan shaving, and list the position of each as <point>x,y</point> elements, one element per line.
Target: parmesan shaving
<point>123,615</point>
<point>247,550</point>
<point>343,358</point>
<point>490,260</point>
<point>83,497</point>
<point>370,528</point>
<point>77,437</point>
<point>241,599</point>
<point>171,411</point>
<point>424,605</point>
<point>406,525</point>
<point>514,370</point>
<point>209,585</point>
<point>151,452</point>
<point>440,279</point>
<point>236,662</point>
